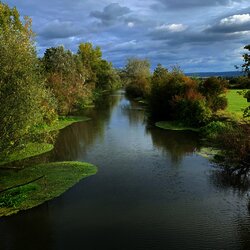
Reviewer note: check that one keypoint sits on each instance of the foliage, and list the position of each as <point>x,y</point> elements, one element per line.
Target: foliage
<point>247,109</point>
<point>173,125</point>
<point>137,77</point>
<point>213,89</point>
<point>65,77</point>
<point>246,57</point>
<point>26,151</point>
<point>213,129</point>
<point>240,82</point>
<point>175,96</point>
<point>14,197</point>
<point>24,100</point>
<point>57,178</point>
<point>235,143</point>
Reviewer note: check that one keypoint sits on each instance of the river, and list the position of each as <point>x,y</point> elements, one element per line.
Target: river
<point>152,191</point>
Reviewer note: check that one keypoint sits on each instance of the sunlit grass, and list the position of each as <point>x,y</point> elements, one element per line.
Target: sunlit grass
<point>56,178</point>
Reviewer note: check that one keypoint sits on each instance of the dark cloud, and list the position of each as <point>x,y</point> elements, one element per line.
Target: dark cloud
<point>198,35</point>
<point>188,4</point>
<point>57,29</point>
<point>231,24</point>
<point>110,13</point>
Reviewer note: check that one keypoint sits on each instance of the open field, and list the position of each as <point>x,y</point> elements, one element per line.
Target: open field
<point>236,102</point>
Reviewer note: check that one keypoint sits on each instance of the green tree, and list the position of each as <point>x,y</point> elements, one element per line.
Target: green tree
<point>246,64</point>
<point>213,89</point>
<point>65,76</point>
<point>137,77</point>
<point>22,92</point>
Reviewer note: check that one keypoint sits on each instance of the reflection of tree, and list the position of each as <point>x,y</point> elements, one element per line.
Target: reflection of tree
<point>224,180</point>
<point>73,141</point>
<point>176,143</point>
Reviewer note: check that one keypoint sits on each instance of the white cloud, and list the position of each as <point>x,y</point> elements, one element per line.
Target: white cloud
<point>235,19</point>
<point>172,27</point>
<point>131,24</point>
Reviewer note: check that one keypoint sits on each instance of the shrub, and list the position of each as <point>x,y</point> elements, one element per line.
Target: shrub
<point>192,112</point>
<point>212,88</point>
<point>213,129</point>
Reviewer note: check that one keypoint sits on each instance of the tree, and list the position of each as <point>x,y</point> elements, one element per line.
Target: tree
<point>213,89</point>
<point>65,76</point>
<point>137,77</point>
<point>100,72</point>
<point>22,92</point>
<point>246,65</point>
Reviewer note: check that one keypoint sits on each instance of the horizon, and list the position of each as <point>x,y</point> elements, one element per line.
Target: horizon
<point>167,32</point>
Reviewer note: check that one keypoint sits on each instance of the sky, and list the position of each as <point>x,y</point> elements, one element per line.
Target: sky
<point>196,35</point>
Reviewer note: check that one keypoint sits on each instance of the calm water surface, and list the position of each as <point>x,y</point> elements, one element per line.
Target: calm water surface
<point>152,191</point>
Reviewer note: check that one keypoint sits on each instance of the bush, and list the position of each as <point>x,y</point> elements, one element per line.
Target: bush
<point>213,129</point>
<point>192,112</point>
<point>138,88</point>
<point>212,88</point>
<point>235,143</point>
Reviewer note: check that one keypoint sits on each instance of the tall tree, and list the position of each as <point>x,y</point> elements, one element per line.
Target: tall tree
<point>65,76</point>
<point>137,77</point>
<point>246,58</point>
<point>21,89</point>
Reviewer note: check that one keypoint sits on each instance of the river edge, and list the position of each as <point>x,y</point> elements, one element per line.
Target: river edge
<point>37,184</point>
<point>34,185</point>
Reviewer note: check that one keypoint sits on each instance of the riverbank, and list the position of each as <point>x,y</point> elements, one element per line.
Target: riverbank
<point>35,185</point>
<point>37,148</point>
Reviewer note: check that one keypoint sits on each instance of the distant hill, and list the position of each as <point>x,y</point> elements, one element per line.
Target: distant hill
<point>222,74</point>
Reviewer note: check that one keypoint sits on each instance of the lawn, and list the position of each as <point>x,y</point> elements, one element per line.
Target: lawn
<point>236,102</point>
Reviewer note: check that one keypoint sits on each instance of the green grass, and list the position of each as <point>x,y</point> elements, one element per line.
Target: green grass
<point>34,149</point>
<point>63,122</point>
<point>58,177</point>
<point>236,102</point>
<point>173,125</point>
<point>208,152</point>
<point>29,150</point>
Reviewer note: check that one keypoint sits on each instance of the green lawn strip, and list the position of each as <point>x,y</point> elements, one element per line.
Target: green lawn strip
<point>55,179</point>
<point>29,150</point>
<point>236,102</point>
<point>63,122</point>
<point>174,125</point>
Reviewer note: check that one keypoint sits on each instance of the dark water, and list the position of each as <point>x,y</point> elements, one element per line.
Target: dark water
<point>151,192</point>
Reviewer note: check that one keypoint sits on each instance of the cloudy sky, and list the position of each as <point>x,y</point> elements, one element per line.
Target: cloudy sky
<point>197,35</point>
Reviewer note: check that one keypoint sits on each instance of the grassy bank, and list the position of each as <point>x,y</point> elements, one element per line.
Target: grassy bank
<point>173,125</point>
<point>29,150</point>
<point>53,179</point>
<point>34,149</point>
<point>63,122</point>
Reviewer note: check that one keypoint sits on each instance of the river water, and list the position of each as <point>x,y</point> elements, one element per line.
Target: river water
<point>152,191</point>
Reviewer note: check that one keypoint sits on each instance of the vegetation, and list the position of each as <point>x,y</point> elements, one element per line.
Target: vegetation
<point>173,125</point>
<point>34,91</point>
<point>25,102</point>
<point>176,97</point>
<point>45,182</point>
<point>137,77</point>
<point>61,123</point>
<point>27,151</point>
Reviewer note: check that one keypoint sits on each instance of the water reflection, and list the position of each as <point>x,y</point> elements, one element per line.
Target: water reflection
<point>151,192</point>
<point>75,140</point>
<point>175,143</point>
